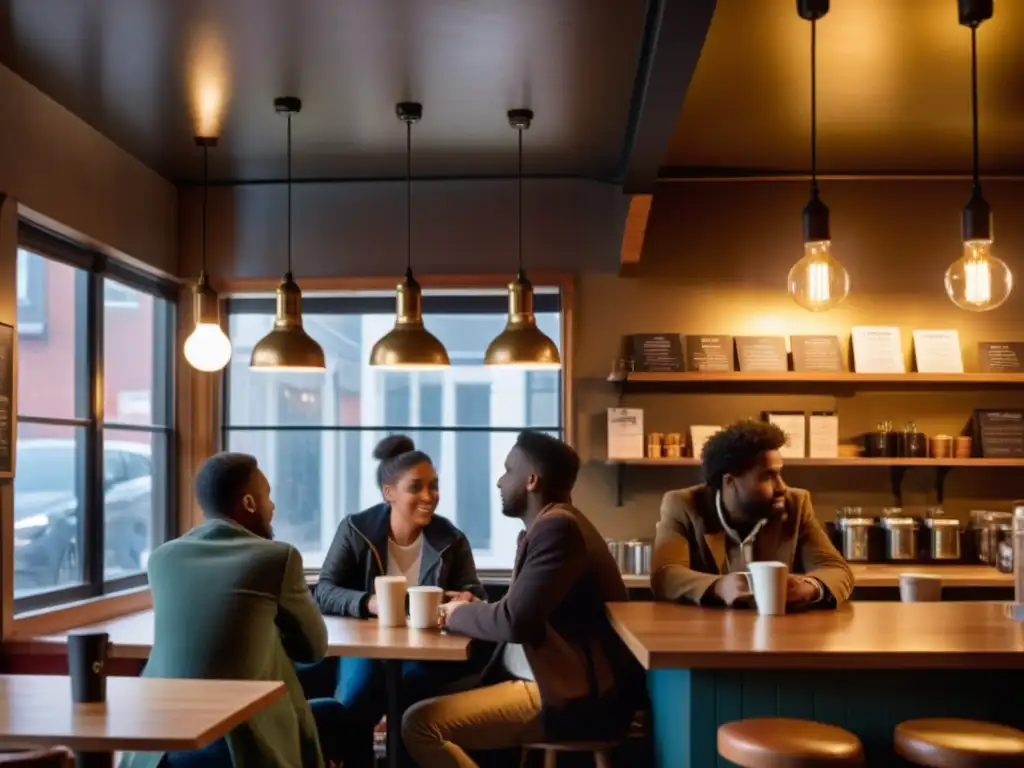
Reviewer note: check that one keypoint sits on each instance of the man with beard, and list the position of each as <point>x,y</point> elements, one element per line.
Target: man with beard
<point>560,671</point>
<point>229,603</point>
<point>744,512</point>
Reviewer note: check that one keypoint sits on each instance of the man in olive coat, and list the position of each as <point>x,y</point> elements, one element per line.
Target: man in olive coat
<point>231,603</point>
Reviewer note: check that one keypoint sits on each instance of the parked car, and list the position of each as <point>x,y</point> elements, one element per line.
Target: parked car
<point>47,491</point>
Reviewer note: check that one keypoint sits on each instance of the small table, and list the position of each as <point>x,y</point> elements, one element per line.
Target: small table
<point>140,714</point>
<point>131,637</point>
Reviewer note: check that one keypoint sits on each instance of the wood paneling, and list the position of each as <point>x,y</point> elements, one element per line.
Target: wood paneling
<point>633,234</point>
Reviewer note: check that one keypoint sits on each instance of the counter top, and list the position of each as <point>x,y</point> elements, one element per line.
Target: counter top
<point>861,635</point>
<point>952,575</point>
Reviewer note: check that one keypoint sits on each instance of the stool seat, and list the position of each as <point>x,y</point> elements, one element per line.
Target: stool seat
<point>784,742</point>
<point>957,743</point>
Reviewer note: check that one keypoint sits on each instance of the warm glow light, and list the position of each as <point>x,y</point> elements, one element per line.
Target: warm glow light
<point>208,348</point>
<point>208,82</point>
<point>978,281</point>
<point>818,282</point>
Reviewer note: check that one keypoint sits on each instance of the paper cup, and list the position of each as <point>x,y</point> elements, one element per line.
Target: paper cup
<point>424,605</point>
<point>390,591</point>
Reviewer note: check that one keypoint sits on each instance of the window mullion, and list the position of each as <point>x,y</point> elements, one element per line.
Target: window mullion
<point>91,525</point>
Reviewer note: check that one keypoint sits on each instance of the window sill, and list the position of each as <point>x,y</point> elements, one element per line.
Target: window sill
<point>82,613</point>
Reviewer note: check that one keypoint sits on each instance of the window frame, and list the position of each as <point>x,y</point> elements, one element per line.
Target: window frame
<point>441,295</point>
<point>90,289</point>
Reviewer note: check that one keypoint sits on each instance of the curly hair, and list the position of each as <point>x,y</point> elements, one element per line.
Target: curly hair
<point>735,449</point>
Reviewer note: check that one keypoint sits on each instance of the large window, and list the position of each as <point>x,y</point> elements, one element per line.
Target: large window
<point>313,434</point>
<point>93,481</point>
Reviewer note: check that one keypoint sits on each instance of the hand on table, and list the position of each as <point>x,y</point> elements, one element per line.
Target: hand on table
<point>371,605</point>
<point>463,597</point>
<point>731,588</point>
<point>801,590</point>
<point>444,613</point>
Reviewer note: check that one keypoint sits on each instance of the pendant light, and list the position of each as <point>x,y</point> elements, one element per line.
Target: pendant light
<point>207,348</point>
<point>409,345</point>
<point>522,344</point>
<point>818,282</point>
<point>977,281</point>
<point>288,347</point>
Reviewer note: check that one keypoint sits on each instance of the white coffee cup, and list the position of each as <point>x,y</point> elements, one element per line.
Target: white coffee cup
<point>424,605</point>
<point>920,588</point>
<point>768,583</point>
<point>390,591</point>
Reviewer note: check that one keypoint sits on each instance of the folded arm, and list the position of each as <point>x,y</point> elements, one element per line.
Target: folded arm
<point>672,578</point>
<point>302,628</point>
<point>554,561</point>
<point>341,566</point>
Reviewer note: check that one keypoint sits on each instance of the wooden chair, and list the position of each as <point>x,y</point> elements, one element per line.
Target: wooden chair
<point>55,757</point>
<point>601,750</point>
<point>956,743</point>
<point>783,742</point>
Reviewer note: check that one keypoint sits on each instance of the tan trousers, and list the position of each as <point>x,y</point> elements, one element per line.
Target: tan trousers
<point>436,731</point>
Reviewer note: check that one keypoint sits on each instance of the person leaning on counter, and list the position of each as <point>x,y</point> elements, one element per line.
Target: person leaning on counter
<point>743,513</point>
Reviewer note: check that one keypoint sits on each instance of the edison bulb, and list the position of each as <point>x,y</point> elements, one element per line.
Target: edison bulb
<point>978,281</point>
<point>208,348</point>
<point>818,281</point>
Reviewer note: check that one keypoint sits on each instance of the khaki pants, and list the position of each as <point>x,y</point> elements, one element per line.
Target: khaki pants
<point>436,731</point>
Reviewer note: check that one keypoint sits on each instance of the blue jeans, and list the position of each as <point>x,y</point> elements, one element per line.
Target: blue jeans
<point>331,729</point>
<point>362,691</point>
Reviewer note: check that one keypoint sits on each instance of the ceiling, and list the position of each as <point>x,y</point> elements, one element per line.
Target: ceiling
<point>150,74</point>
<point>893,90</point>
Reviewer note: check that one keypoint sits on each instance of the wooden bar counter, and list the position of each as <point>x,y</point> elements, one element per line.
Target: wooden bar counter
<point>865,667</point>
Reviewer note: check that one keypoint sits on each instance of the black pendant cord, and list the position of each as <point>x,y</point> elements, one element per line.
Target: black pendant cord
<point>289,273</point>
<point>814,107</point>
<point>408,199</point>
<point>206,179</point>
<point>519,184</point>
<point>974,105</point>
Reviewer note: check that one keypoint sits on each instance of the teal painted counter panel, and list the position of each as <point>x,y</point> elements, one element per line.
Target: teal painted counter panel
<point>690,704</point>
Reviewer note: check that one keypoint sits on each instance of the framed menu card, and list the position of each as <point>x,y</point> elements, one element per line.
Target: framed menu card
<point>706,352</point>
<point>1000,433</point>
<point>820,354</point>
<point>762,354</point>
<point>877,349</point>
<point>655,352</point>
<point>938,352</point>
<point>1001,356</point>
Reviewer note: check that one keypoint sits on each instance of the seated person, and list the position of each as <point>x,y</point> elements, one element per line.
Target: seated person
<point>561,672</point>
<point>229,603</point>
<point>743,513</point>
<point>400,537</point>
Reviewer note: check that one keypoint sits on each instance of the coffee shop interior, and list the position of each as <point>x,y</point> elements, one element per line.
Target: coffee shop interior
<point>292,228</point>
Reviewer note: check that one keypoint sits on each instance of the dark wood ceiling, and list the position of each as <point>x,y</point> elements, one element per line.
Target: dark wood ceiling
<point>893,89</point>
<point>149,73</point>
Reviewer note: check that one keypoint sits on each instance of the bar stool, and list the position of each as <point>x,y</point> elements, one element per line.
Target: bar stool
<point>54,757</point>
<point>601,750</point>
<point>785,742</point>
<point>957,743</point>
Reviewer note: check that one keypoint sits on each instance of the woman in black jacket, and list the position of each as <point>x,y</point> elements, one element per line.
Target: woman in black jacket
<point>400,537</point>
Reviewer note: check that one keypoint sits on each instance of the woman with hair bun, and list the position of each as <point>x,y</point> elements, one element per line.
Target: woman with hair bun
<point>399,537</point>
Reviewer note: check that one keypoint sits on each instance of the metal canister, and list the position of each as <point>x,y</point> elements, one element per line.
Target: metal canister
<point>638,557</point>
<point>900,538</point>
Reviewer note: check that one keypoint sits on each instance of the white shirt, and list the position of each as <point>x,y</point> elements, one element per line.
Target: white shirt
<point>405,561</point>
<point>513,658</point>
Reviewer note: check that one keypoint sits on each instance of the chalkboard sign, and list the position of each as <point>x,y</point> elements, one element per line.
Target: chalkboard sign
<point>709,353</point>
<point>762,354</point>
<point>7,413</point>
<point>655,352</point>
<point>1001,356</point>
<point>1000,433</point>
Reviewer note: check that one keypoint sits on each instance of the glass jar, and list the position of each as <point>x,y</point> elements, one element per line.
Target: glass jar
<point>1018,552</point>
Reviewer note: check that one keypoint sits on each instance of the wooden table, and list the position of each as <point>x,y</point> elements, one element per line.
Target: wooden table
<point>865,667</point>
<point>131,637</point>
<point>140,714</point>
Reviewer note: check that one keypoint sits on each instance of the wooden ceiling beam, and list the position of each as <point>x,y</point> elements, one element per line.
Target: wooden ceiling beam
<point>674,34</point>
<point>633,234</point>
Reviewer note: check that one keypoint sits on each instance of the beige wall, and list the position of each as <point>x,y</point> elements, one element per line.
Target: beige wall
<point>61,171</point>
<point>715,261</point>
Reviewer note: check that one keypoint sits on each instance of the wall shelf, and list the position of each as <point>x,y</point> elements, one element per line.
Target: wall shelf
<point>701,380</point>
<point>897,469</point>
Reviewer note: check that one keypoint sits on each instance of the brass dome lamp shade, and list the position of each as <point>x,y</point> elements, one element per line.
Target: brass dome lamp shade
<point>207,348</point>
<point>522,344</point>
<point>288,347</point>
<point>409,345</point>
<point>978,281</point>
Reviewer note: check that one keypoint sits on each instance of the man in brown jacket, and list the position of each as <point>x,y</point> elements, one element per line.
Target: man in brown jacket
<point>708,534</point>
<point>560,671</point>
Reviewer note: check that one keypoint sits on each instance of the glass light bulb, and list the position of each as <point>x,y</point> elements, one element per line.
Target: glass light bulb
<point>207,348</point>
<point>978,281</point>
<point>818,281</point>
